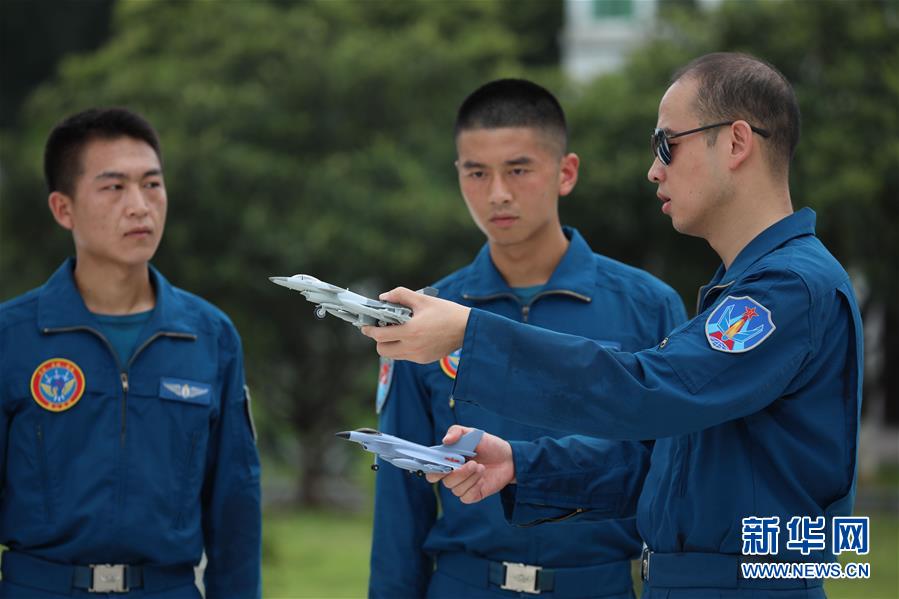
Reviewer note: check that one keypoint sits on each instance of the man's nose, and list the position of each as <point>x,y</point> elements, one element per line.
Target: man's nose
<point>137,205</point>
<point>499,191</point>
<point>656,171</point>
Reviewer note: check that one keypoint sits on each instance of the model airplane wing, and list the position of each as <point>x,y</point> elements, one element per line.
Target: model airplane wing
<point>465,445</point>
<point>448,459</point>
<point>412,456</point>
<point>356,309</point>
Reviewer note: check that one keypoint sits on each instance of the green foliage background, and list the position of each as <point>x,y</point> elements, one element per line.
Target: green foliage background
<point>316,136</point>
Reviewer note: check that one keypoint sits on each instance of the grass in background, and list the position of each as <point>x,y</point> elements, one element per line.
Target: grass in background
<point>324,555</point>
<point>315,555</point>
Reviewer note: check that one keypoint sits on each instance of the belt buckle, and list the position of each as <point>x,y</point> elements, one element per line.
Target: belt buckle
<point>108,578</point>
<point>644,563</point>
<point>521,578</point>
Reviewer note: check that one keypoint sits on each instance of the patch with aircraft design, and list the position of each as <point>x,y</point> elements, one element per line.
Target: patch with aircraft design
<point>738,325</point>
<point>57,384</point>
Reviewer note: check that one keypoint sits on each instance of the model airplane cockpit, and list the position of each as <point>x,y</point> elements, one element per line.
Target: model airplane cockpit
<point>412,456</point>
<point>356,309</point>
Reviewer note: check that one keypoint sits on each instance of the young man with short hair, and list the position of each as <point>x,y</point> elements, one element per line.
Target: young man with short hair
<point>513,165</point>
<point>126,444</point>
<point>754,403</point>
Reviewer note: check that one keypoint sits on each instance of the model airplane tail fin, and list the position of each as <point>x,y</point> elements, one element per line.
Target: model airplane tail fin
<point>465,446</point>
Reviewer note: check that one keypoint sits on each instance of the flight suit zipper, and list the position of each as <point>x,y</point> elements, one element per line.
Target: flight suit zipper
<point>44,472</point>
<point>683,452</point>
<point>525,314</point>
<point>562,518</point>
<point>185,481</point>
<point>526,308</point>
<point>123,372</point>
<point>125,384</point>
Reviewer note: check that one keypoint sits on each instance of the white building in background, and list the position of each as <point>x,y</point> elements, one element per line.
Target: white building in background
<point>598,34</point>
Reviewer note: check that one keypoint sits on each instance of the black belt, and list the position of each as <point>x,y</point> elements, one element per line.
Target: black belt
<point>26,570</point>
<point>709,570</point>
<point>609,579</point>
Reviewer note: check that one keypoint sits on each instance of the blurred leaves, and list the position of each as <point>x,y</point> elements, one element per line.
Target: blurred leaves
<point>316,137</point>
<point>307,137</point>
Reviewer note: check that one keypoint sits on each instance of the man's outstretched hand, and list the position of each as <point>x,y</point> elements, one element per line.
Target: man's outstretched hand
<point>436,329</point>
<point>482,476</point>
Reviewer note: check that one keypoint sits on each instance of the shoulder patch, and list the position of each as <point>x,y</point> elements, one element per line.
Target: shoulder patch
<point>738,325</point>
<point>385,377</point>
<point>450,364</point>
<point>57,384</point>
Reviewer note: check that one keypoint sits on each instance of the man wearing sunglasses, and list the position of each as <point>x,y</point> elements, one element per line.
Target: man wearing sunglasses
<point>754,403</point>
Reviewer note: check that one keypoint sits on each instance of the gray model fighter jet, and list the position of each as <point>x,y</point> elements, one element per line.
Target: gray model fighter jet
<point>412,456</point>
<point>346,305</point>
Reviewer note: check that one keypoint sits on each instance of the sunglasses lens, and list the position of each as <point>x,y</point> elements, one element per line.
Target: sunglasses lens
<point>660,147</point>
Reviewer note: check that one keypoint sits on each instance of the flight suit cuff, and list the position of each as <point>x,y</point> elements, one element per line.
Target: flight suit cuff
<point>552,493</point>
<point>481,353</point>
<point>518,510</point>
<point>519,513</point>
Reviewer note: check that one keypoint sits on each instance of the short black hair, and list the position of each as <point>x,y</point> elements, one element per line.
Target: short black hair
<point>513,103</point>
<point>735,86</point>
<point>62,153</point>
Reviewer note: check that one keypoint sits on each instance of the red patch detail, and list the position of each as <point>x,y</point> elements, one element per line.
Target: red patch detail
<point>57,384</point>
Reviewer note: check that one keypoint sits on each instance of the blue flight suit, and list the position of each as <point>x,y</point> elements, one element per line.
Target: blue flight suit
<point>587,294</point>
<point>155,462</point>
<point>768,431</point>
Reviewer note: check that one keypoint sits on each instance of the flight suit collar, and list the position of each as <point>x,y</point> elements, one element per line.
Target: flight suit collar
<point>61,306</point>
<point>798,224</point>
<point>573,273</point>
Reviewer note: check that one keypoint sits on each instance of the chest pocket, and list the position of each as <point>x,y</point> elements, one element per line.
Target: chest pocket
<point>170,419</point>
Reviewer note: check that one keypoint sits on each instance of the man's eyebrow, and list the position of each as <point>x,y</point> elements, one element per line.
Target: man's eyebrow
<point>473,164</point>
<point>111,175</point>
<point>153,172</point>
<point>519,161</point>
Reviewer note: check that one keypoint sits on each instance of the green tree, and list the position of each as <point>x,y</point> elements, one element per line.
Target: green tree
<point>307,137</point>
<point>843,60</point>
<point>33,38</point>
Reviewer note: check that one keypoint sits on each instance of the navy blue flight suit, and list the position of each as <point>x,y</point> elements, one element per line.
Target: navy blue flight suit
<point>619,306</point>
<point>143,464</point>
<point>766,426</point>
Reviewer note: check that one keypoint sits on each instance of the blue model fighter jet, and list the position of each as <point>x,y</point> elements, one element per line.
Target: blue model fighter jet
<point>412,456</point>
<point>356,309</point>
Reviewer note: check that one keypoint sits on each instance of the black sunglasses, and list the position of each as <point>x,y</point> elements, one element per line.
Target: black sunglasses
<point>662,150</point>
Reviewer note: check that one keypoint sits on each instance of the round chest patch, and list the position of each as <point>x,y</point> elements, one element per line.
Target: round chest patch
<point>57,384</point>
<point>450,364</point>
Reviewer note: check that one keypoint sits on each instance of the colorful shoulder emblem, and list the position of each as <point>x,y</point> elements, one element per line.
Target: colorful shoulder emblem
<point>385,376</point>
<point>57,384</point>
<point>738,324</point>
<point>450,364</point>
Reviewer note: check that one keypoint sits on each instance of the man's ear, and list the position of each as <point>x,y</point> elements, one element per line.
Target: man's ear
<point>741,143</point>
<point>61,208</point>
<point>568,173</point>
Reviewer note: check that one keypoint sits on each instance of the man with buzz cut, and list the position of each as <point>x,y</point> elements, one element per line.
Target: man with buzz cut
<point>126,442</point>
<point>513,165</point>
<point>755,402</point>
